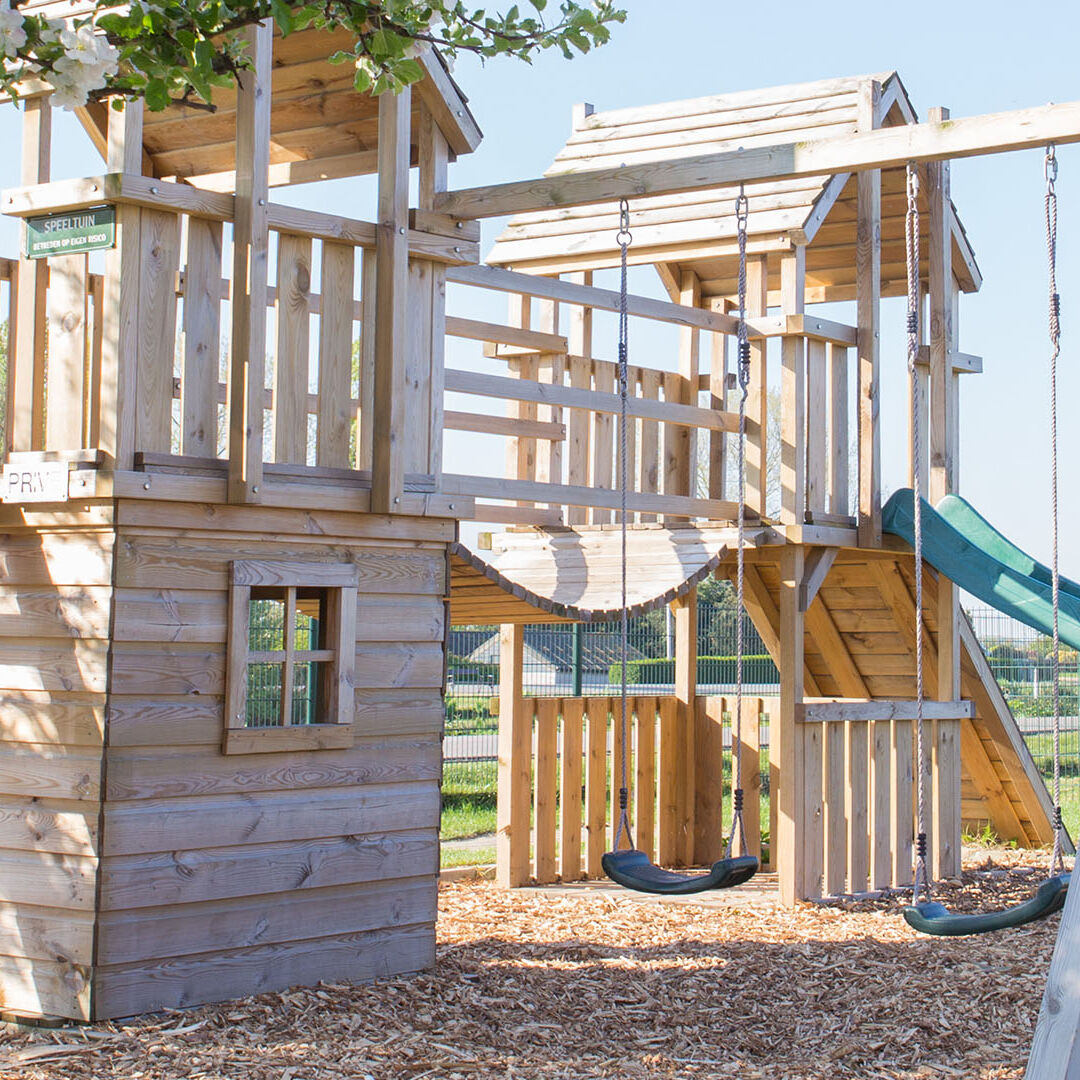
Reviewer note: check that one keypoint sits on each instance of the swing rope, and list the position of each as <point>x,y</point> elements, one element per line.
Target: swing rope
<point>624,239</point>
<point>737,826</point>
<point>911,243</point>
<point>1057,865</point>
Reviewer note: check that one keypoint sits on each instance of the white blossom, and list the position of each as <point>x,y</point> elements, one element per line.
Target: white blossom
<point>12,34</point>
<point>86,65</point>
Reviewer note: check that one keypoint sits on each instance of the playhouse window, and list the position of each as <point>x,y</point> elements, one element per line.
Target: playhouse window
<point>291,648</point>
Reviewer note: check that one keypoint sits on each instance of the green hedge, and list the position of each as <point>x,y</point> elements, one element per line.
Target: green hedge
<point>710,669</point>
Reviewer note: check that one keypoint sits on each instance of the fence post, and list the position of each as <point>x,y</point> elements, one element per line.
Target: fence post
<point>575,659</point>
<point>515,750</point>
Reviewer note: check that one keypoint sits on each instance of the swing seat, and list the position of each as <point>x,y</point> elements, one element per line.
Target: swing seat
<point>931,917</point>
<point>633,870</point>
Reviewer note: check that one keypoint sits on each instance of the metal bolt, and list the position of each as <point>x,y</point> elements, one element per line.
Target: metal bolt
<point>146,486</point>
<point>460,113</point>
<point>153,191</point>
<point>459,224</point>
<point>451,506</point>
<point>397,499</point>
<point>255,490</point>
<point>401,231</point>
<point>93,187</point>
<point>457,250</point>
<point>262,202</point>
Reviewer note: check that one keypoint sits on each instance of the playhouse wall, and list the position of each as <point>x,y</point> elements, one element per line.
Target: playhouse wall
<point>55,589</point>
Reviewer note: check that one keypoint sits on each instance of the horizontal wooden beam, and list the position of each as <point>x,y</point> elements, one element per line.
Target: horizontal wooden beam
<point>504,425</point>
<point>517,515</point>
<point>962,363</point>
<point>858,710</point>
<point>884,148</point>
<point>499,386</point>
<point>534,340</point>
<point>494,487</point>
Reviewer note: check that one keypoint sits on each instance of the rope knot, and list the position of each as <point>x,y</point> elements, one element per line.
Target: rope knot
<point>737,801</point>
<point>624,798</point>
<point>912,322</point>
<point>921,845</point>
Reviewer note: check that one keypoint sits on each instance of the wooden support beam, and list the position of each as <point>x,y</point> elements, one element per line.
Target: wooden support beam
<point>579,425</point>
<point>839,449</point>
<point>515,761</point>
<point>685,612</point>
<point>862,710</point>
<point>757,400</point>
<point>251,240</point>
<point>793,393</point>
<point>26,380</point>
<point>960,363</point>
<point>868,303</point>
<point>786,744</point>
<point>120,306</point>
<point>816,569</point>
<point>886,148</point>
<point>391,290</point>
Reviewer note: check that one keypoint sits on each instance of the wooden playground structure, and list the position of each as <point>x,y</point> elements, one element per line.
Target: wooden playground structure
<point>161,842</point>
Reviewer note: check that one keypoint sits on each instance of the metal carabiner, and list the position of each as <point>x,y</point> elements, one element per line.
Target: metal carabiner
<point>625,237</point>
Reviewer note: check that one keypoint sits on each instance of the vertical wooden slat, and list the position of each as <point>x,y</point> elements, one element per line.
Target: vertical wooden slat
<point>159,241</point>
<point>250,256</point>
<point>571,774</point>
<point>774,785</point>
<point>416,387</point>
<point>579,421</point>
<point>649,443</point>
<point>544,799</point>
<point>718,372</point>
<point>631,443</point>
<point>813,853</point>
<point>26,407</point>
<point>515,741</point>
<point>757,402</point>
<point>603,439</point>
<point>364,418</point>
<point>817,471</point>
<point>335,354</point>
<point>645,709</point>
<point>391,291</point>
<point>596,778</point>
<point>667,846</point>
<point>685,611</point>
<point>903,785</point>
<point>66,362</point>
<point>202,339</point>
<point>857,799</point>
<point>551,369</point>
<point>793,393</point>
<point>868,317</point>
<point>835,809</point>
<point>621,749</point>
<point>945,845</point>
<point>839,489</point>
<point>880,804</point>
<point>749,751</point>
<point>293,305</point>
<point>676,443</point>
<point>93,372</point>
<point>784,748</point>
<point>921,462</point>
<point>708,740</point>
<point>685,438</point>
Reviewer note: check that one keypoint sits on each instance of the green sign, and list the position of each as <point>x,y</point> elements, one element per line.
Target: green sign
<point>71,233</point>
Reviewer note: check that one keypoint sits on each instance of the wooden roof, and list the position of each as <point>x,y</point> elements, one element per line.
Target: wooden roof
<point>697,230</point>
<point>573,574</point>
<point>320,127</point>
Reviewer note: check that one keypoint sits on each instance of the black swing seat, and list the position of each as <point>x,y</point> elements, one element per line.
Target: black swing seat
<point>931,917</point>
<point>632,869</point>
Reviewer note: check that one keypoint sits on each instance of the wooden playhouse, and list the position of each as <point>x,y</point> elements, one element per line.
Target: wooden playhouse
<point>230,552</point>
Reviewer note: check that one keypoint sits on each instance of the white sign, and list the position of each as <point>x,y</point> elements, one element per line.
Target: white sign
<point>44,481</point>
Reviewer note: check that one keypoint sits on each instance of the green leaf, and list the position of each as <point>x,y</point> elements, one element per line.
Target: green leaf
<point>361,81</point>
<point>157,95</point>
<point>341,57</point>
<point>283,16</point>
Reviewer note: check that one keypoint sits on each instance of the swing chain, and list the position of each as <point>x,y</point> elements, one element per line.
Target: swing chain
<point>625,239</point>
<point>742,216</point>
<point>1050,172</point>
<point>921,884</point>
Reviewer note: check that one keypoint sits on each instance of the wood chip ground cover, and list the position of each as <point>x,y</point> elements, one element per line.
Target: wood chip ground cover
<point>552,985</point>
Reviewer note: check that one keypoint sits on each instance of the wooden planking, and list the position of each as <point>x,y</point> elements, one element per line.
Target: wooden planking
<point>708,740</point>
<point>66,354</point>
<point>571,777</point>
<point>234,973</point>
<point>838,445</point>
<point>159,259</point>
<point>812,855</point>
<point>834,805</point>
<point>749,751</point>
<point>880,804</point>
<point>515,780</point>
<point>603,436</point>
<point>793,462</point>
<point>44,933</point>
<point>596,778</point>
<point>622,757</point>
<point>60,612</point>
<point>418,368</point>
<point>856,801</point>
<point>645,717</point>
<point>817,472</point>
<point>903,793</point>
<point>545,794</point>
<point>668,840</point>
<point>757,404</point>
<point>202,338</point>
<point>161,933</point>
<point>45,987</point>
<point>66,881</point>
<point>945,749</point>
<point>39,717</point>
<point>29,770</point>
<point>335,355</point>
<point>293,305</point>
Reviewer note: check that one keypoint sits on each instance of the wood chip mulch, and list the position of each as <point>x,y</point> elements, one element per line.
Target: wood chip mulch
<point>555,985</point>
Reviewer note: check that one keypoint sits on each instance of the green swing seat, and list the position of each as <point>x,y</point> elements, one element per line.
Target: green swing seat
<point>930,917</point>
<point>633,870</point>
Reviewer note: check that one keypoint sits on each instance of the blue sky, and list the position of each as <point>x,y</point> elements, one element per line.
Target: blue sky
<point>971,57</point>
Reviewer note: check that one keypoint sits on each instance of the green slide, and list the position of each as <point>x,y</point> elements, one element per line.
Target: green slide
<point>959,543</point>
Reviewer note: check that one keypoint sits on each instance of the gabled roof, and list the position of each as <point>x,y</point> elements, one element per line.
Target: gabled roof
<point>320,127</point>
<point>697,230</point>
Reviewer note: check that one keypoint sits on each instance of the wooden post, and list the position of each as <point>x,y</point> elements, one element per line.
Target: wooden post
<point>718,373</point>
<point>679,440</point>
<point>757,401</point>
<point>579,421</point>
<point>515,744</point>
<point>945,743</point>
<point>120,307</point>
<point>708,740</point>
<point>26,382</point>
<point>793,393</point>
<point>251,241</point>
<point>922,405</point>
<point>839,499</point>
<point>685,611</point>
<point>868,304</point>
<point>391,289</point>
<point>785,747</point>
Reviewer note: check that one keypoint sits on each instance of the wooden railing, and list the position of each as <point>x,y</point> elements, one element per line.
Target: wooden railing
<point>576,765</point>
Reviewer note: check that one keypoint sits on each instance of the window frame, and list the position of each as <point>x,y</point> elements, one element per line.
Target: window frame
<point>340,582</point>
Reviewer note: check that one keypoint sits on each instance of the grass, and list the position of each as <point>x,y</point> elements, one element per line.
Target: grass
<point>483,856</point>
<point>468,799</point>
